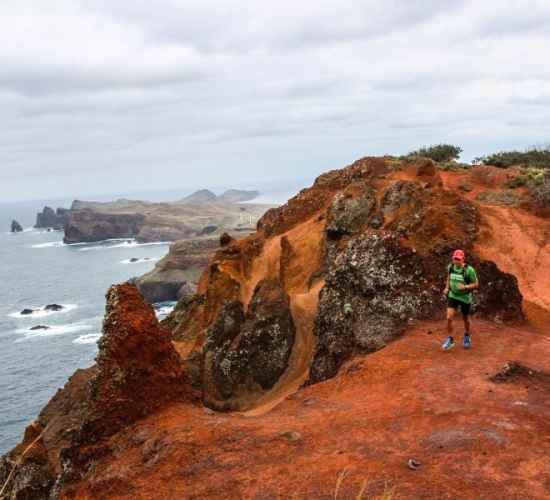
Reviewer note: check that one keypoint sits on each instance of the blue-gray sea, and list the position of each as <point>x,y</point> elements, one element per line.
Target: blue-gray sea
<point>36,269</point>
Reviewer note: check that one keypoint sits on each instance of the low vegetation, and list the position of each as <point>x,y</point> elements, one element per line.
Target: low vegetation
<point>537,181</point>
<point>437,152</point>
<point>536,156</point>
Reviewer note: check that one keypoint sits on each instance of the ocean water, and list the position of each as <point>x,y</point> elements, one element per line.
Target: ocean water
<point>36,269</point>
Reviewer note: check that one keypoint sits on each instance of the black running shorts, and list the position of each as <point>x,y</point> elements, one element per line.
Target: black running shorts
<point>455,304</point>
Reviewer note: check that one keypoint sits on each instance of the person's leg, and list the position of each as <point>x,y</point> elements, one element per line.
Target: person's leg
<point>466,318</point>
<point>465,308</point>
<point>450,316</point>
<point>449,341</point>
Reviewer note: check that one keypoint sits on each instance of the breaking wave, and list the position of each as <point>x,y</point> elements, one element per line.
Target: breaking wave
<point>40,312</point>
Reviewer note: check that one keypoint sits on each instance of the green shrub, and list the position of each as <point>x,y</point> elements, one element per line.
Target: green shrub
<point>531,157</point>
<point>438,152</point>
<point>539,187</point>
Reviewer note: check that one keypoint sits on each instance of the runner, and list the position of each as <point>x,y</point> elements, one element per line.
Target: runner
<point>461,280</point>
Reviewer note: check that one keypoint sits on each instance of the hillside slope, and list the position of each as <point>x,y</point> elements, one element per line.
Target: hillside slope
<point>319,337</point>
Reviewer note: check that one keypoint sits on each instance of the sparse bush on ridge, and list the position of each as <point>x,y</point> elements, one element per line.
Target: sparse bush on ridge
<point>537,181</point>
<point>536,156</point>
<point>437,152</point>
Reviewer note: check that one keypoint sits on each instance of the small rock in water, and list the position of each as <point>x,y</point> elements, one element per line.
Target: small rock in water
<point>26,311</point>
<point>134,259</point>
<point>53,307</point>
<point>40,327</point>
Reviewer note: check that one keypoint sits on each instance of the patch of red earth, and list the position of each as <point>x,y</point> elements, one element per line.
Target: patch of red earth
<point>474,438</point>
<point>519,243</point>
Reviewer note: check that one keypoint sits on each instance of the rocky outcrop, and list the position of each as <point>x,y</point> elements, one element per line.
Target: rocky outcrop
<point>138,369</point>
<point>137,372</point>
<point>50,218</point>
<point>348,213</point>
<point>177,272</point>
<point>16,227</point>
<point>245,354</point>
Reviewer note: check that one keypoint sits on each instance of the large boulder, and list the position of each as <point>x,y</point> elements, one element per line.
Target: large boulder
<point>350,210</point>
<point>245,354</point>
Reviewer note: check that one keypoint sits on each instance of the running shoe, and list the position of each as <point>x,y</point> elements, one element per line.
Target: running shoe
<point>467,341</point>
<point>448,344</point>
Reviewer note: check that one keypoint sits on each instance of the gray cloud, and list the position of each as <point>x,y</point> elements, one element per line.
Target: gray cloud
<point>116,96</point>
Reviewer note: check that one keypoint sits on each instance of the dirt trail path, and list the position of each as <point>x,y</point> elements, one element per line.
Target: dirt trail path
<point>475,438</point>
<point>304,308</point>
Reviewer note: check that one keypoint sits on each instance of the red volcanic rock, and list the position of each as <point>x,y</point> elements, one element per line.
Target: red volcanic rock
<point>138,369</point>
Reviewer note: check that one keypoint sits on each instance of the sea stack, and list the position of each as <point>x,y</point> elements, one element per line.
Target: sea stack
<point>16,227</point>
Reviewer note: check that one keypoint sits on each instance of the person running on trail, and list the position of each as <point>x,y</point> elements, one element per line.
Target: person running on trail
<point>461,280</point>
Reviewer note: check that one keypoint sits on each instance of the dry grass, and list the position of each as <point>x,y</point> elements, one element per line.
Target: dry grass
<point>388,493</point>
<point>17,463</point>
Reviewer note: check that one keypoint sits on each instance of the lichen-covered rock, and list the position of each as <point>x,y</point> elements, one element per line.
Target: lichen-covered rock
<point>245,354</point>
<point>398,194</point>
<point>349,211</point>
<point>371,291</point>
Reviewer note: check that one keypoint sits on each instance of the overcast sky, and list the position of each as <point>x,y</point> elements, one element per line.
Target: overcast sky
<point>117,96</point>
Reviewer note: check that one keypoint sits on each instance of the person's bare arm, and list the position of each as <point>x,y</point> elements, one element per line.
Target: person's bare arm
<point>472,286</point>
<point>447,285</point>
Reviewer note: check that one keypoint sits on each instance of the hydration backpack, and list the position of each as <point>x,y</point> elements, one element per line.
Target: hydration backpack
<point>463,271</point>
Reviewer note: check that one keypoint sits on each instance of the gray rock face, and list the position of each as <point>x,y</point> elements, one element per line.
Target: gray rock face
<point>88,226</point>
<point>245,354</point>
<point>348,213</point>
<point>50,218</point>
<point>16,227</point>
<point>398,194</point>
<point>372,289</point>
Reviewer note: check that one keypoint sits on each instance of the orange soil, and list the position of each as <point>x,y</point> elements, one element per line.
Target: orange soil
<point>475,439</point>
<point>519,243</point>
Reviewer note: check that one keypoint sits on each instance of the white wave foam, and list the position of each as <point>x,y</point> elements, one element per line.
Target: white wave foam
<point>140,261</point>
<point>89,338</point>
<point>124,244</point>
<point>52,331</point>
<point>49,244</point>
<point>40,312</point>
<point>164,308</point>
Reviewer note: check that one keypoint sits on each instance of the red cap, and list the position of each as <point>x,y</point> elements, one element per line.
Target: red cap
<point>458,254</point>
